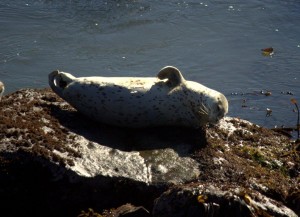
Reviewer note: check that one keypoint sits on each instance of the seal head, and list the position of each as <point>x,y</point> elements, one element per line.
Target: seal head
<point>207,105</point>
<point>217,108</point>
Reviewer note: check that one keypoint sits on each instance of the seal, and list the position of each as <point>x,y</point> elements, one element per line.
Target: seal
<point>165,100</point>
<point>1,90</point>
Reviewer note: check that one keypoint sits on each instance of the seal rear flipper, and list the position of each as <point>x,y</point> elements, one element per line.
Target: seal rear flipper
<point>173,75</point>
<point>58,81</point>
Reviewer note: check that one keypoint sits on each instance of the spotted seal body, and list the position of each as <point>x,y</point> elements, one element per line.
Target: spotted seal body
<point>165,100</point>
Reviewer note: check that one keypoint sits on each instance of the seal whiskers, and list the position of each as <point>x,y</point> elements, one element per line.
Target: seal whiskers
<point>203,109</point>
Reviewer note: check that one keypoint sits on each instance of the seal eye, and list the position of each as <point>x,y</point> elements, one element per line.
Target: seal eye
<point>62,84</point>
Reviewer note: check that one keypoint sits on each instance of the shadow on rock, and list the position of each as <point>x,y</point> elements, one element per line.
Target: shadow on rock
<point>33,186</point>
<point>182,139</point>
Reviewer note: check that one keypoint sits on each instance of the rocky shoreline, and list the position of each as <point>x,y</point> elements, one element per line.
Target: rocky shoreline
<point>56,162</point>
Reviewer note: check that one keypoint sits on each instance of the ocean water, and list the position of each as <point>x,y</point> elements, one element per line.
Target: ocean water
<point>216,43</point>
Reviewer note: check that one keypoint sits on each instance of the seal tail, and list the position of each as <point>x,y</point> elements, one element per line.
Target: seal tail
<point>58,81</point>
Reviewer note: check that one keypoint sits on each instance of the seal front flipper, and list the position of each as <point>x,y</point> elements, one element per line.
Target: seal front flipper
<point>58,81</point>
<point>173,75</point>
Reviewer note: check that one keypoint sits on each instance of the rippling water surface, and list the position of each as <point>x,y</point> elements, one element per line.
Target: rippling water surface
<point>217,43</point>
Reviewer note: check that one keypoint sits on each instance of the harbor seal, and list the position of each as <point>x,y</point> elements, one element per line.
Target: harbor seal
<point>1,90</point>
<point>165,100</point>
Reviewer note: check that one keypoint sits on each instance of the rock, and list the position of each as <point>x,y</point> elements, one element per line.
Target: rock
<point>210,200</point>
<point>41,130</point>
<point>56,162</point>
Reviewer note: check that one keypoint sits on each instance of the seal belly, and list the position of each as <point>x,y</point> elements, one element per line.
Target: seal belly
<point>124,102</point>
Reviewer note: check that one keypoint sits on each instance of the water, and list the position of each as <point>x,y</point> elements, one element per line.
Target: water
<point>217,43</point>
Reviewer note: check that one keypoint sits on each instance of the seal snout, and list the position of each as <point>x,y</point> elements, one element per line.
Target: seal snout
<point>223,105</point>
<point>218,109</point>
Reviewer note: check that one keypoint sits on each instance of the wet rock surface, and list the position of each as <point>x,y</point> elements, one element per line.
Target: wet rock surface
<point>56,162</point>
